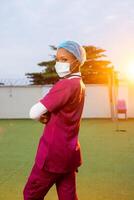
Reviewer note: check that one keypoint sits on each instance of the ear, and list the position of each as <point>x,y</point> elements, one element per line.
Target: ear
<point>77,64</point>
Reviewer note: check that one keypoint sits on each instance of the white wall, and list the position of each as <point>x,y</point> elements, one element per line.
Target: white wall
<point>131,101</point>
<point>96,102</point>
<point>15,102</point>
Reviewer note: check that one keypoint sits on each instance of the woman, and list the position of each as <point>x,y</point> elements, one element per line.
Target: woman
<point>58,156</point>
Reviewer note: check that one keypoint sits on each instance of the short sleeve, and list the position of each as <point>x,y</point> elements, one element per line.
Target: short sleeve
<point>58,96</point>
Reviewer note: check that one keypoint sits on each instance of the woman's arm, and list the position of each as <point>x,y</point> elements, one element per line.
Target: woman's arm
<point>37,111</point>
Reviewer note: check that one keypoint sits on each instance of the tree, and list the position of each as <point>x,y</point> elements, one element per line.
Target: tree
<point>95,69</point>
<point>48,74</point>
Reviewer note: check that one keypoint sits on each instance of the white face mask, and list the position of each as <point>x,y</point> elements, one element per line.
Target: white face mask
<point>62,68</point>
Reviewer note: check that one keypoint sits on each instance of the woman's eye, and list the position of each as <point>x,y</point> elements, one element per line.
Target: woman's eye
<point>61,59</point>
<point>64,59</point>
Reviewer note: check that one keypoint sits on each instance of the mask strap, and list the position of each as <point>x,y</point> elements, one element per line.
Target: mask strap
<point>74,66</point>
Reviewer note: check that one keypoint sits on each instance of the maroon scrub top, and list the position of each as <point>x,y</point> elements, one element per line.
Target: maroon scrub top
<point>59,148</point>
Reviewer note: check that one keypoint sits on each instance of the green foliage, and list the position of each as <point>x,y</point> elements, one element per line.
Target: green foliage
<point>42,78</point>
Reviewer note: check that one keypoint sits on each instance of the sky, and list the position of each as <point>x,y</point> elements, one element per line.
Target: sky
<point>28,27</point>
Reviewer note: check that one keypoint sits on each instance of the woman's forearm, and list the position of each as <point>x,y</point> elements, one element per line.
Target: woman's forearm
<point>37,110</point>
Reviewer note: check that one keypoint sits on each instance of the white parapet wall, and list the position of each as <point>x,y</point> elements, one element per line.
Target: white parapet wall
<point>131,101</point>
<point>16,101</point>
<point>96,102</point>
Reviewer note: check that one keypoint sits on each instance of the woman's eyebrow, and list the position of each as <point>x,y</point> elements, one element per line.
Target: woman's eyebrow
<point>61,57</point>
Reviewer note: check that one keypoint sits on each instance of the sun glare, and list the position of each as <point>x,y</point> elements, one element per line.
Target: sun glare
<point>130,72</point>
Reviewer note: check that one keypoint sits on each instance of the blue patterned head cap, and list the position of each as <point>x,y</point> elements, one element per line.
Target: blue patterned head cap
<point>74,48</point>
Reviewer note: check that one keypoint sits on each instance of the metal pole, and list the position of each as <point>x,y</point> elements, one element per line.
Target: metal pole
<point>115,97</point>
<point>110,95</point>
<point>115,93</point>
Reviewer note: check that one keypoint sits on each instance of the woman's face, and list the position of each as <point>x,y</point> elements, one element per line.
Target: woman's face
<point>65,56</point>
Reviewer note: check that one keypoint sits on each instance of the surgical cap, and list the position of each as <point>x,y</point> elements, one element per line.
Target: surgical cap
<point>74,48</point>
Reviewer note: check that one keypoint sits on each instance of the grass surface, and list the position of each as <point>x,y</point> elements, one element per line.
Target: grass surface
<point>107,172</point>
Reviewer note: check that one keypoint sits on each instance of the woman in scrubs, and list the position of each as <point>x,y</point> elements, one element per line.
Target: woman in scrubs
<point>58,155</point>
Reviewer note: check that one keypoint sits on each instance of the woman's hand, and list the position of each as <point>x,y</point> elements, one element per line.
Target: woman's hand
<point>45,118</point>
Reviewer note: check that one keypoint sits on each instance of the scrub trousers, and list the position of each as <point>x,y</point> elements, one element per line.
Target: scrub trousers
<point>40,181</point>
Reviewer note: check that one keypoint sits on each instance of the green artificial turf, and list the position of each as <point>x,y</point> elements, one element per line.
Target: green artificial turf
<point>107,172</point>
